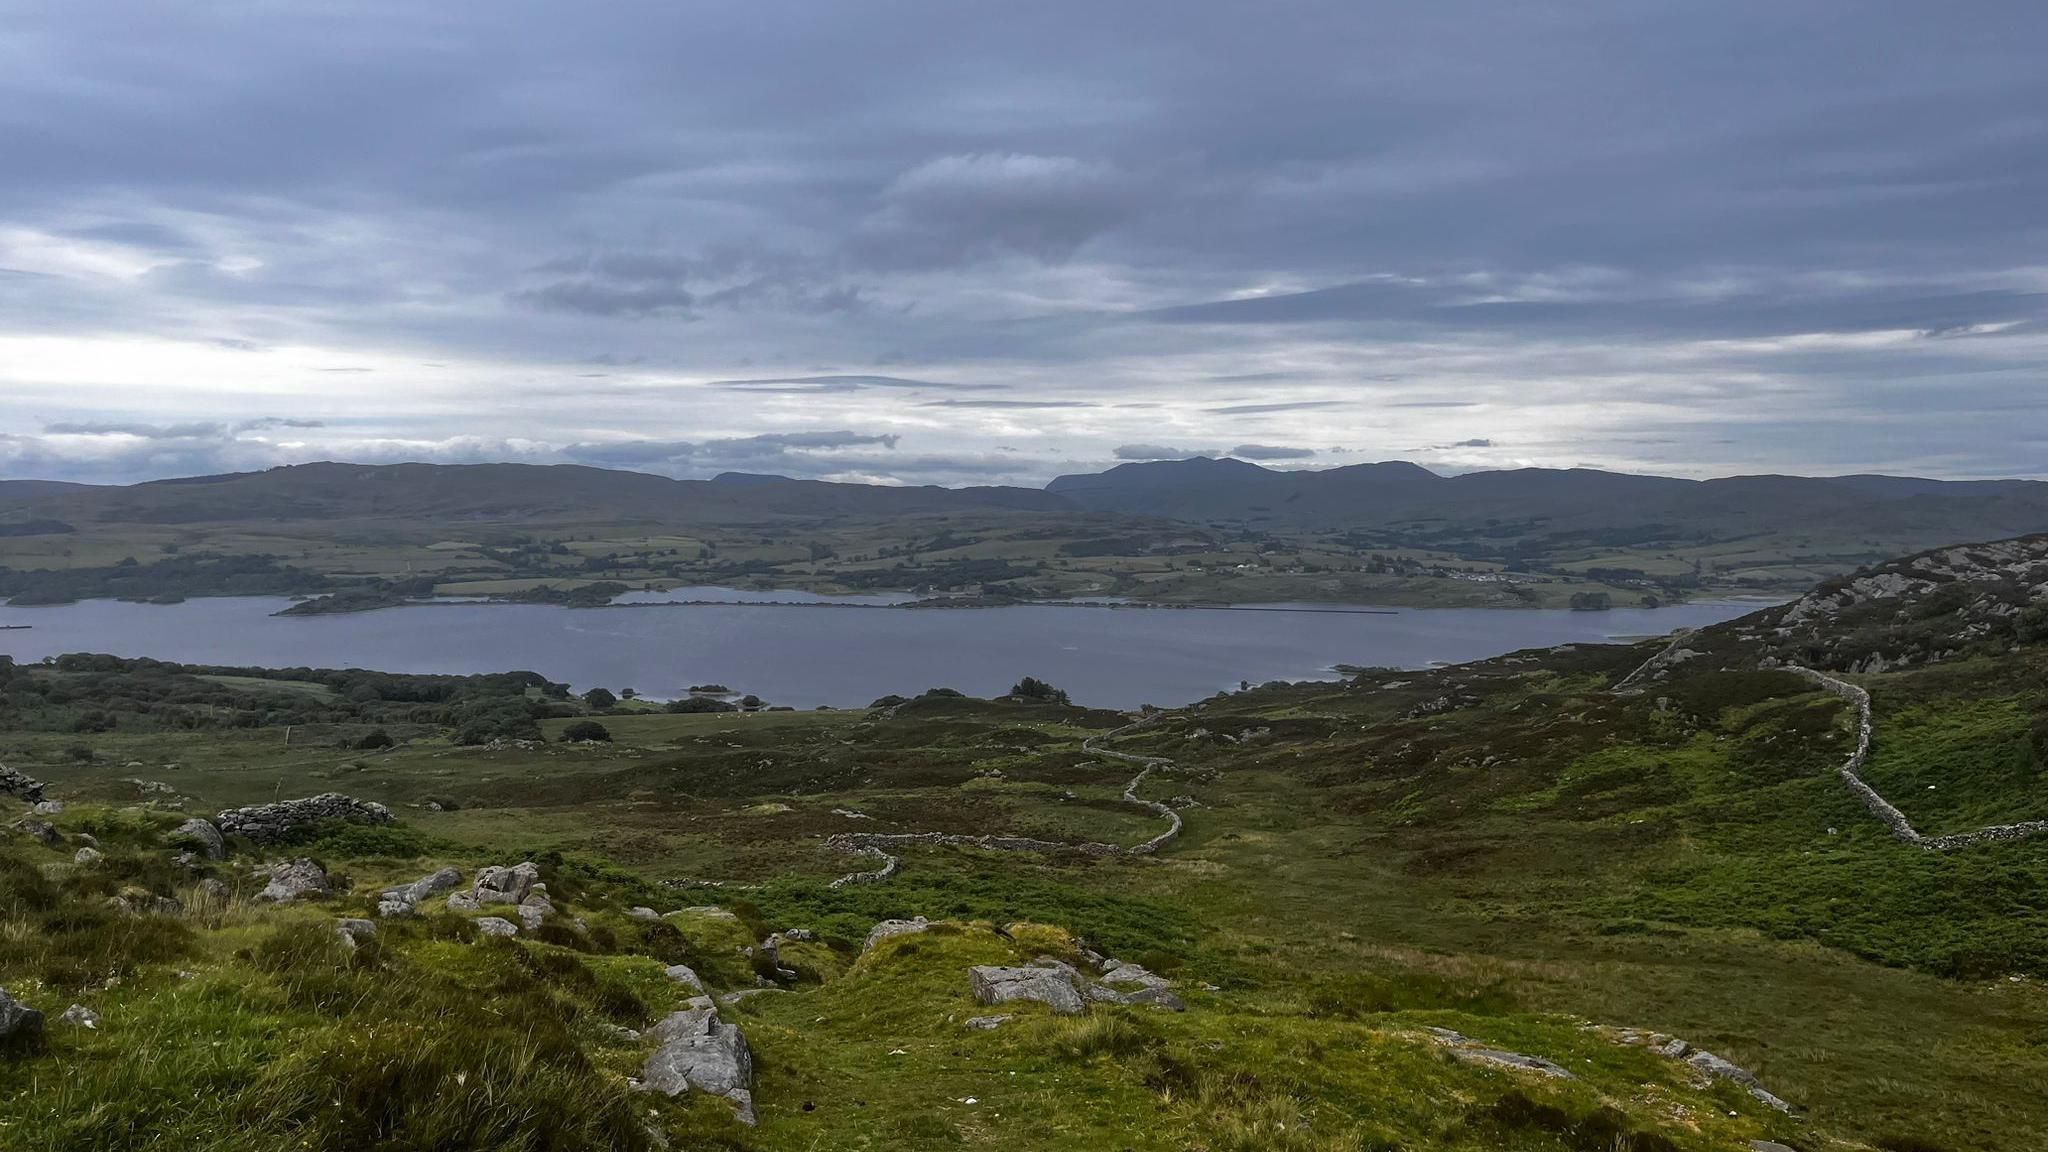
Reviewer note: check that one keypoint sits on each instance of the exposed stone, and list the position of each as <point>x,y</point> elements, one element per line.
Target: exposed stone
<point>209,894</point>
<point>708,911</point>
<point>497,926</point>
<point>48,807</point>
<point>695,1049</point>
<point>353,931</point>
<point>79,1016</point>
<point>463,902</point>
<point>1157,996</point>
<point>20,1025</point>
<point>532,915</point>
<point>20,785</point>
<point>888,928</point>
<point>643,912</point>
<point>501,885</point>
<point>293,881</point>
<point>269,823</point>
<point>41,831</point>
<point>1133,974</point>
<point>1053,987</point>
<point>985,1023</point>
<point>1715,1066</point>
<point>86,856</point>
<point>200,834</point>
<point>682,974</point>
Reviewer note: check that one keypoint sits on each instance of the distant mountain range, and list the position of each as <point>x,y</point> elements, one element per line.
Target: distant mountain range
<point>1554,505</point>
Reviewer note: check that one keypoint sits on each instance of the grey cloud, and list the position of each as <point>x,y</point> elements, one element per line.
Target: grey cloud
<point>1270,452</point>
<point>1158,452</point>
<point>1285,406</point>
<point>1193,206</point>
<point>1007,404</point>
<point>802,384</point>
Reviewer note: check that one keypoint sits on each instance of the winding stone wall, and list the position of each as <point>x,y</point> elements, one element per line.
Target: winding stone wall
<point>1883,809</point>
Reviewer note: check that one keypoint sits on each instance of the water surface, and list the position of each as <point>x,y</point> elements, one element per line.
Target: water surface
<point>843,656</point>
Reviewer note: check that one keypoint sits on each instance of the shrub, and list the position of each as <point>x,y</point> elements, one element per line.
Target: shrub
<point>586,732</point>
<point>600,700</point>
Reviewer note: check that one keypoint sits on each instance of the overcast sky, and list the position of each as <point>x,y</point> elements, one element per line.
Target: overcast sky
<point>960,242</point>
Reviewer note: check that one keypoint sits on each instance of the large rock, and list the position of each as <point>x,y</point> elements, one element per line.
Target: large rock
<point>683,974</point>
<point>501,885</point>
<point>292,881</point>
<point>41,831</point>
<point>20,1025</point>
<point>269,823</point>
<point>695,1049</point>
<point>20,785</point>
<point>200,834</point>
<point>888,928</point>
<point>497,926</point>
<point>404,900</point>
<point>1053,987</point>
<point>1715,1066</point>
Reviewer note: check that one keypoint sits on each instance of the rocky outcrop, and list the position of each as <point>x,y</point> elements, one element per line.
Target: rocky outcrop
<point>1721,1069</point>
<point>405,899</point>
<point>20,785</point>
<point>686,976</point>
<point>1055,987</point>
<point>20,1025</point>
<point>502,885</point>
<point>888,928</point>
<point>297,880</point>
<point>694,1049</point>
<point>1470,1051</point>
<point>202,836</point>
<point>270,823</point>
<point>496,926</point>
<point>1921,609</point>
<point>41,831</point>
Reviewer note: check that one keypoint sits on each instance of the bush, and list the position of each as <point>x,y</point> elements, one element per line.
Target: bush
<point>375,738</point>
<point>698,704</point>
<point>586,732</point>
<point>1032,688</point>
<point>600,700</point>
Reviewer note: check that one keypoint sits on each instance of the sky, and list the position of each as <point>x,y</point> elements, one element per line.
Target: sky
<point>955,242</point>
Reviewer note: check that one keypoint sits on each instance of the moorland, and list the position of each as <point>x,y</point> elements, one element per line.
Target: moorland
<point>1506,904</point>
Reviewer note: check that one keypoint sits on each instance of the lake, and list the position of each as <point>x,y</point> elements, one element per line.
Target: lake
<point>837,654</point>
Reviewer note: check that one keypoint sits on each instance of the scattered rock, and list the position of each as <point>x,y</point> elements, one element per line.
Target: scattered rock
<point>695,1049</point>
<point>1472,1052</point>
<point>709,911</point>
<point>985,1023</point>
<point>1715,1066</point>
<point>405,899</point>
<point>463,902</point>
<point>501,885</point>
<point>532,916</point>
<point>642,912</point>
<point>201,834</point>
<point>269,823</point>
<point>209,894</point>
<point>1153,995</point>
<point>41,831</point>
<point>618,1032</point>
<point>682,974</point>
<point>293,881</point>
<point>86,856</point>
<point>352,931</point>
<point>48,807</point>
<point>800,935</point>
<point>497,926</point>
<point>888,928</point>
<point>1118,972</point>
<point>1053,987</point>
<point>20,785</point>
<point>20,1025</point>
<point>78,1015</point>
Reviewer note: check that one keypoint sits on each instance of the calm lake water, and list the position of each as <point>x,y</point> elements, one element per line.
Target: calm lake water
<point>845,656</point>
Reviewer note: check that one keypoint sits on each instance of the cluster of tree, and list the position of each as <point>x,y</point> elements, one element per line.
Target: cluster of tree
<point>173,577</point>
<point>97,693</point>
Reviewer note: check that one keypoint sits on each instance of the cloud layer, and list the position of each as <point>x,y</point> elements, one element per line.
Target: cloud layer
<point>927,242</point>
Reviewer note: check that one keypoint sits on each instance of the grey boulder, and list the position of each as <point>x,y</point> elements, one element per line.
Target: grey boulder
<point>1052,987</point>
<point>497,926</point>
<point>201,834</point>
<point>20,1025</point>
<point>292,881</point>
<point>695,1049</point>
<point>889,928</point>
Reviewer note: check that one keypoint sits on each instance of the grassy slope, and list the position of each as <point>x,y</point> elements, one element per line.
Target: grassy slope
<point>1535,853</point>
